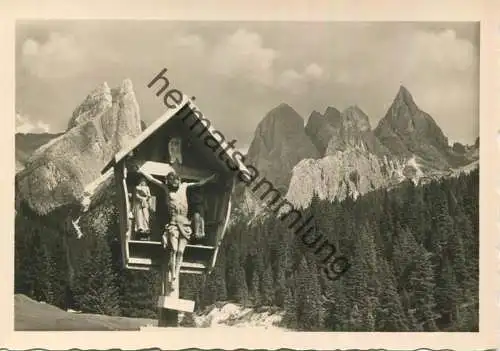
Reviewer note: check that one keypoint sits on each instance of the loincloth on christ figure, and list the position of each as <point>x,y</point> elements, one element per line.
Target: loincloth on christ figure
<point>179,226</point>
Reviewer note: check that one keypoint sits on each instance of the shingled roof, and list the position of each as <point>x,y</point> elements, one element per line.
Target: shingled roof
<point>157,124</point>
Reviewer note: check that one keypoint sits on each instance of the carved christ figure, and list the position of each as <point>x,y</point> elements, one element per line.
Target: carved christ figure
<point>177,231</point>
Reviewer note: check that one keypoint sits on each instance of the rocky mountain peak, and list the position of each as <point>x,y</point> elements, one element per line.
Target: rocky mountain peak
<point>404,93</point>
<point>354,117</point>
<point>355,132</point>
<point>403,105</point>
<point>315,123</point>
<point>321,128</point>
<point>279,143</point>
<point>408,131</point>
<point>283,109</point>
<point>279,123</point>
<point>404,97</point>
<point>127,86</point>
<point>96,102</point>
<point>333,116</point>
<point>99,100</point>
<point>57,172</point>
<point>315,115</point>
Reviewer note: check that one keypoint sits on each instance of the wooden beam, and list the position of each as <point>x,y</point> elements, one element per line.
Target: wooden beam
<point>192,173</point>
<point>194,265</point>
<point>191,271</point>
<point>140,261</point>
<point>221,232</point>
<point>122,211</point>
<point>127,206</point>
<point>145,242</point>
<point>185,172</point>
<point>138,268</point>
<point>156,168</point>
<point>176,304</point>
<point>200,247</point>
<point>168,317</point>
<point>147,262</point>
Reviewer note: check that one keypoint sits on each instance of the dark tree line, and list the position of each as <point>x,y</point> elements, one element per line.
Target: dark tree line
<point>414,254</point>
<point>85,274</point>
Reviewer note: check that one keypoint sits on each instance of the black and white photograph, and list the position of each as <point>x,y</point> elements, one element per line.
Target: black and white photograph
<point>269,176</point>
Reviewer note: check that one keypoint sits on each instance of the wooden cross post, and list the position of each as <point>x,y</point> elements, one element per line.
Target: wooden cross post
<point>167,317</point>
<point>169,303</point>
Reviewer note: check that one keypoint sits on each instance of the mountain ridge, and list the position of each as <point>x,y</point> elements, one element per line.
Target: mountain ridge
<point>27,143</point>
<point>58,171</point>
<point>406,130</point>
<point>283,149</point>
<point>280,141</point>
<point>406,144</point>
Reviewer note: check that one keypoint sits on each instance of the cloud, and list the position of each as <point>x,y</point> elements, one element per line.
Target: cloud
<point>295,82</point>
<point>289,77</point>
<point>60,56</point>
<point>443,75</point>
<point>191,42</point>
<point>442,49</point>
<point>386,55</point>
<point>369,64</point>
<point>314,71</point>
<point>243,55</point>
<point>309,65</point>
<point>25,125</point>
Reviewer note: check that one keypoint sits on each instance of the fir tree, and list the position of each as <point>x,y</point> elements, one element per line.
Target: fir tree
<point>138,293</point>
<point>255,289</point>
<point>390,316</point>
<point>267,287</point>
<point>290,309</point>
<point>308,298</point>
<point>422,285</point>
<point>96,290</point>
<point>237,289</point>
<point>448,294</point>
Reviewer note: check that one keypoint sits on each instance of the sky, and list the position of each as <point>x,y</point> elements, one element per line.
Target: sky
<point>238,71</point>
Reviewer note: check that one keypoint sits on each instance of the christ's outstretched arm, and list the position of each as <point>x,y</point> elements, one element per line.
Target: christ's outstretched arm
<point>202,182</point>
<point>152,179</point>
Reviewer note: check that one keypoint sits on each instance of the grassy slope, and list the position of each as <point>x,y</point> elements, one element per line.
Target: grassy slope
<point>31,315</point>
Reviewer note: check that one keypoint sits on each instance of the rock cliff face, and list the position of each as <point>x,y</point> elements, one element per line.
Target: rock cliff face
<point>407,144</point>
<point>354,131</point>
<point>322,128</point>
<point>57,172</point>
<point>349,157</point>
<point>336,154</point>
<point>96,103</point>
<point>26,144</point>
<point>349,172</point>
<point>407,131</point>
<point>279,143</point>
<point>354,162</point>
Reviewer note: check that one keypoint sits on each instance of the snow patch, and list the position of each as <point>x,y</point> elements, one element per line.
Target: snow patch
<point>233,315</point>
<point>86,200</point>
